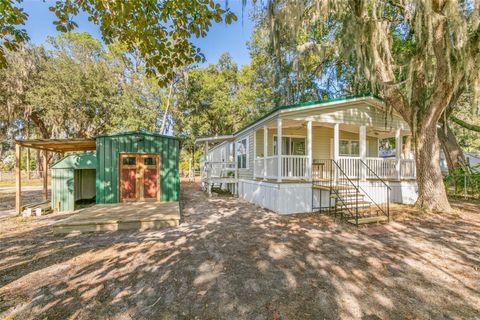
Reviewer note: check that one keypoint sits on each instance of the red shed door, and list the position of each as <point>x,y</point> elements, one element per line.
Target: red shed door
<point>139,177</point>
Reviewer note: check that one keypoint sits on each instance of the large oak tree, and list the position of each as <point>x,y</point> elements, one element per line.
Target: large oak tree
<point>419,54</point>
<point>160,30</point>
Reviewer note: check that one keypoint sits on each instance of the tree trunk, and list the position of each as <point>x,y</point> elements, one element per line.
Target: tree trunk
<point>167,109</point>
<point>431,190</point>
<point>453,153</point>
<point>407,148</point>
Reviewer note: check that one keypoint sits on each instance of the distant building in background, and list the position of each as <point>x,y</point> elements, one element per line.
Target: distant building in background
<point>472,158</point>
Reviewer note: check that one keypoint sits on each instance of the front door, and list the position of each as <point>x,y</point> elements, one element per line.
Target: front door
<point>139,177</point>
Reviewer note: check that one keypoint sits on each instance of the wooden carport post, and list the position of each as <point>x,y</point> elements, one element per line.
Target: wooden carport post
<point>18,179</point>
<point>45,175</point>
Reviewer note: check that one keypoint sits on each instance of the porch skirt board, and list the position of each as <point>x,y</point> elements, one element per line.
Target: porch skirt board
<point>289,198</point>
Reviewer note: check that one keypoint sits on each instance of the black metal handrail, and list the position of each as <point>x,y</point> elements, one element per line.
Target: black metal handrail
<point>355,215</point>
<point>388,188</point>
<point>328,172</point>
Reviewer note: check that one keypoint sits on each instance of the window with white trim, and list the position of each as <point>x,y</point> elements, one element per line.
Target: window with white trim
<point>291,146</point>
<point>349,148</point>
<point>242,153</point>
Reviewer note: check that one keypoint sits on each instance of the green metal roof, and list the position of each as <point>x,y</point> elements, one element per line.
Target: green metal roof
<point>308,103</point>
<point>137,132</point>
<point>76,161</point>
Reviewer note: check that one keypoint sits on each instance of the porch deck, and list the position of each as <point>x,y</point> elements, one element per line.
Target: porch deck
<point>121,216</point>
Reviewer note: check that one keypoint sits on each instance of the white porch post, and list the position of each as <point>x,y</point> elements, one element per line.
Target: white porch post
<point>398,152</point>
<point>255,153</point>
<point>363,151</point>
<point>336,142</point>
<point>336,150</point>
<point>206,151</point>
<point>265,151</point>
<point>279,149</point>
<point>309,149</point>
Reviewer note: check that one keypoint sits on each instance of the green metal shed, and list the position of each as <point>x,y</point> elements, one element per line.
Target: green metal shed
<point>73,179</point>
<point>137,166</point>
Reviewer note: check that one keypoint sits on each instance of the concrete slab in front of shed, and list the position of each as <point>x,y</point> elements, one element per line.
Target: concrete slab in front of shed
<point>121,216</point>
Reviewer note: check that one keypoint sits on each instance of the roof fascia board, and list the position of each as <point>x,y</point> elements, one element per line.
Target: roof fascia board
<point>334,104</point>
<point>257,124</point>
<point>214,138</point>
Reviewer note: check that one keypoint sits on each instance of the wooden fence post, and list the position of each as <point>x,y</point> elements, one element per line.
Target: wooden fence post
<point>18,179</point>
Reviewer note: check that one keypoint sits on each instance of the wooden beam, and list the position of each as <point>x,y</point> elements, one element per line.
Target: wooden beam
<point>45,175</point>
<point>28,163</point>
<point>18,179</point>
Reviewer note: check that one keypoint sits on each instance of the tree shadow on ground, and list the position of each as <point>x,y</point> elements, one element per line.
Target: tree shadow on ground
<point>229,259</point>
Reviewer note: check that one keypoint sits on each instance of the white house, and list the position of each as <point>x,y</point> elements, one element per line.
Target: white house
<point>328,159</point>
<point>472,158</point>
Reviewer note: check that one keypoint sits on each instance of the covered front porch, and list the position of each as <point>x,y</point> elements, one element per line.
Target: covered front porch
<point>307,144</point>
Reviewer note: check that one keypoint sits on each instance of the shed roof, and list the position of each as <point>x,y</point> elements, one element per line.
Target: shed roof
<point>137,132</point>
<point>59,145</point>
<point>77,161</point>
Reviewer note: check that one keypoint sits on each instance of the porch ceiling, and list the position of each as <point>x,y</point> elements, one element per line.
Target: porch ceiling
<point>378,132</point>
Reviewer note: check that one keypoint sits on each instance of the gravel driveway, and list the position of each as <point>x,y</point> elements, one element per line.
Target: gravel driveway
<point>231,260</point>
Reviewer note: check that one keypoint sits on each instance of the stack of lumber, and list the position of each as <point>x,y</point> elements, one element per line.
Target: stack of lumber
<point>36,209</point>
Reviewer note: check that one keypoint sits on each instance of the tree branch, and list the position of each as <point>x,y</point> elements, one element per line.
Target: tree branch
<point>464,124</point>
<point>443,85</point>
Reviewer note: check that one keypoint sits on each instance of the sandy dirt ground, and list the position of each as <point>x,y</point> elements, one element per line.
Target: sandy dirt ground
<point>231,260</point>
<point>7,198</point>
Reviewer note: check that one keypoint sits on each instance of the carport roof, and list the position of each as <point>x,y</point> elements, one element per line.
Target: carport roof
<point>59,145</point>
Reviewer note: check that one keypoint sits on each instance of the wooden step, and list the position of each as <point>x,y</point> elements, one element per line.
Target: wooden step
<point>353,203</point>
<point>342,188</point>
<point>348,195</point>
<point>337,188</point>
<point>367,220</point>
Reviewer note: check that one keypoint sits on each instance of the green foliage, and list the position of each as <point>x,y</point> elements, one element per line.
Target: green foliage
<point>11,17</point>
<point>469,140</point>
<point>161,31</point>
<point>214,100</point>
<point>78,88</point>
<point>459,184</point>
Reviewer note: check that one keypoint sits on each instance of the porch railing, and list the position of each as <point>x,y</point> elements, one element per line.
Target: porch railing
<point>218,169</point>
<point>293,167</point>
<point>296,168</point>
<point>384,168</point>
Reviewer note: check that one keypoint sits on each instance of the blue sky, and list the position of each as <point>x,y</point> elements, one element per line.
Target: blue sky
<point>221,38</point>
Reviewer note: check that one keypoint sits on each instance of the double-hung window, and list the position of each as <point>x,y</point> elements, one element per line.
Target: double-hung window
<point>242,153</point>
<point>291,146</point>
<point>349,148</point>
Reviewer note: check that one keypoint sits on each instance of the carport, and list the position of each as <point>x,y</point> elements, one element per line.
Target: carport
<point>45,145</point>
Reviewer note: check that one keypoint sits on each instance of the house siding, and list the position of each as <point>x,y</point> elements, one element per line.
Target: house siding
<point>355,115</point>
<point>321,141</point>
<point>248,172</point>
